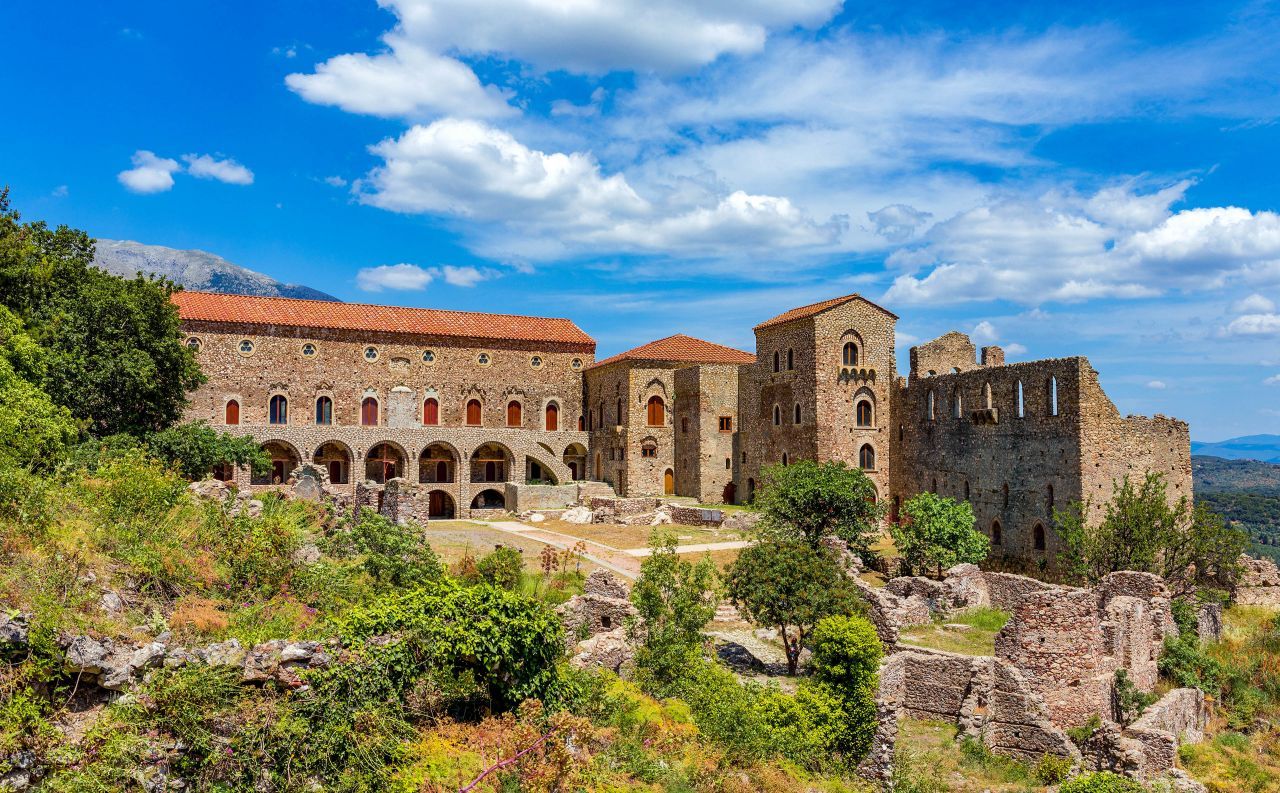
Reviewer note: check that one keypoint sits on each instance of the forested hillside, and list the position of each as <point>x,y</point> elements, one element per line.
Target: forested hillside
<point>1246,493</point>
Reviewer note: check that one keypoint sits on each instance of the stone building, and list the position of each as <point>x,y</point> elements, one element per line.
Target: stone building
<point>473,408</point>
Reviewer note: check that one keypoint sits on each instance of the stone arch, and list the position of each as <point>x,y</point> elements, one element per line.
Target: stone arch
<point>440,505</point>
<point>491,462</point>
<point>864,407</point>
<point>336,458</point>
<point>385,460</point>
<point>489,498</point>
<point>536,470</point>
<point>284,458</point>
<point>438,463</point>
<point>575,458</point>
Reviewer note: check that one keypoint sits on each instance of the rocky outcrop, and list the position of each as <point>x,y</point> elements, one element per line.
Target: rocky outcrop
<point>604,606</point>
<point>612,651</point>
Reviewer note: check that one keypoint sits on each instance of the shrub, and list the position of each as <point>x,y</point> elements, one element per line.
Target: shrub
<point>846,651</point>
<point>1101,782</point>
<point>1052,769</point>
<point>675,599</point>
<point>395,555</point>
<point>501,568</point>
<point>808,501</point>
<point>937,533</point>
<point>194,449</point>
<point>1129,701</point>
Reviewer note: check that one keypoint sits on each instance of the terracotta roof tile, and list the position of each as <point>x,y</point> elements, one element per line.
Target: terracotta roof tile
<point>295,313</point>
<point>817,308</point>
<point>681,349</point>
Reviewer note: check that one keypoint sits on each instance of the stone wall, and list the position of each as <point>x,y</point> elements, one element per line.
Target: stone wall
<point>521,498</point>
<point>1259,583</point>
<point>706,454</point>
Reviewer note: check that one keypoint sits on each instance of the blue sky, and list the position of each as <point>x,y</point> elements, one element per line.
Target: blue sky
<point>1095,180</point>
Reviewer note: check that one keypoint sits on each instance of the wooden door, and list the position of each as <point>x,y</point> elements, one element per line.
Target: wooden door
<point>335,472</point>
<point>442,471</point>
<point>668,482</point>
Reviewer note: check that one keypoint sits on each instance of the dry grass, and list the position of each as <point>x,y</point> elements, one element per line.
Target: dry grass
<point>453,540</point>
<point>978,637</point>
<point>619,536</point>
<point>1234,763</point>
<point>930,760</point>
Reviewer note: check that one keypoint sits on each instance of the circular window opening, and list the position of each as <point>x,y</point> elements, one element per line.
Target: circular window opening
<point>193,343</point>
<point>576,363</point>
<point>246,347</point>
<point>428,356</point>
<point>308,350</point>
<point>483,359</point>
<point>371,353</point>
<point>536,362</point>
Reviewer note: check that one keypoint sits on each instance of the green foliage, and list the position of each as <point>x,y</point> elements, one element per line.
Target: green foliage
<point>256,552</point>
<point>1184,662</point>
<point>675,599</point>
<point>1187,545</point>
<point>1101,782</point>
<point>937,533</point>
<point>1130,701</point>
<point>115,355</point>
<point>846,652</point>
<point>501,568</point>
<point>791,585</point>
<point>1052,769</point>
<point>394,555</point>
<point>1085,731</point>
<point>808,501</point>
<point>195,448</point>
<point>34,432</point>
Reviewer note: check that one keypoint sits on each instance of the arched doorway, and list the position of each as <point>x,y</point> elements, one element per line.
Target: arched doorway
<point>489,499</point>
<point>437,463</point>
<point>369,412</point>
<point>552,417</point>
<point>490,462</point>
<point>439,505</point>
<point>284,458</point>
<point>384,461</point>
<point>336,459</point>
<point>730,493</point>
<point>575,458</point>
<point>668,482</point>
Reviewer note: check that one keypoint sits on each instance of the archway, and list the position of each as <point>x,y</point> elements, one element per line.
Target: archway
<point>539,473</point>
<point>489,499</point>
<point>996,538</point>
<point>438,463</point>
<point>575,457</point>
<point>335,457</point>
<point>284,458</point>
<point>1038,536</point>
<point>491,462</point>
<point>730,493</point>
<point>440,505</point>
<point>384,461</point>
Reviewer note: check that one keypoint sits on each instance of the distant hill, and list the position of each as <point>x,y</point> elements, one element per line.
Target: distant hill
<point>1249,447</point>
<point>1246,493</point>
<point>1219,475</point>
<point>195,270</point>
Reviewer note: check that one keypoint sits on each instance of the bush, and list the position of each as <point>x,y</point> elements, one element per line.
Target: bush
<point>1129,701</point>
<point>846,652</point>
<point>808,501</point>
<point>937,533</point>
<point>501,568</point>
<point>395,555</point>
<point>194,449</point>
<point>1052,769</point>
<point>675,599</point>
<point>1101,782</point>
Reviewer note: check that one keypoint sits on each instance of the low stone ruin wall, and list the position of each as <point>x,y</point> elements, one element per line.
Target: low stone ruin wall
<point>1259,583</point>
<point>1180,716</point>
<point>522,498</point>
<point>695,516</point>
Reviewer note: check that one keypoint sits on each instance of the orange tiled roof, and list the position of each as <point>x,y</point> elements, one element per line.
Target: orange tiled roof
<point>817,308</point>
<point>681,349</point>
<point>295,313</point>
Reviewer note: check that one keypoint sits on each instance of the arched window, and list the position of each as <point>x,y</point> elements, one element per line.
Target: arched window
<point>278,410</point>
<point>1004,492</point>
<point>966,491</point>
<point>1053,396</point>
<point>657,412</point>
<point>934,489</point>
<point>581,423</point>
<point>776,358</point>
<point>232,415</point>
<point>957,404</point>
<point>796,415</point>
<point>515,415</point>
<point>473,412</point>
<point>1048,501</point>
<point>791,359</point>
<point>369,412</point>
<point>777,416</point>
<point>867,457</point>
<point>1022,405</point>
<point>901,433</point>
<point>431,412</point>
<point>324,410</point>
<point>930,408</point>
<point>553,417</point>
<point>618,414</point>
<point>850,354</point>
<point>865,418</point>
<point>995,533</point>
<point>1038,536</point>
<point>986,395</point>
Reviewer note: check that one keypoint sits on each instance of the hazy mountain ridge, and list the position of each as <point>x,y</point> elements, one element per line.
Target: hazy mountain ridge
<point>195,269</point>
<point>1247,447</point>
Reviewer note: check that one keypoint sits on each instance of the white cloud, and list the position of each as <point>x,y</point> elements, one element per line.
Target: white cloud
<point>1209,236</point>
<point>204,166</point>
<point>463,276</point>
<point>1157,385</point>
<point>984,333</point>
<point>1014,349</point>
<point>335,181</point>
<point>1254,325</point>
<point>149,174</point>
<point>408,277</point>
<point>898,222</point>
<point>1272,380</point>
<point>1254,304</point>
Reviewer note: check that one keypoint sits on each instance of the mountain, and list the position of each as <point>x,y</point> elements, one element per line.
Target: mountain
<point>195,270</point>
<point>1218,475</point>
<point>1248,447</point>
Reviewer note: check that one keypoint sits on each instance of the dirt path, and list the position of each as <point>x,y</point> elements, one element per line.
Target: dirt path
<point>731,545</point>
<point>608,557</point>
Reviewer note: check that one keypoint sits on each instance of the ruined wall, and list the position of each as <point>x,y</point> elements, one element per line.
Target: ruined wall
<point>1259,583</point>
<point>1012,458</point>
<point>705,454</point>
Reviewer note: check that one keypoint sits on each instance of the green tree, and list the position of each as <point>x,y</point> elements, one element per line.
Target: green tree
<point>194,449</point>
<point>35,433</point>
<point>502,567</point>
<point>937,533</point>
<point>791,585</point>
<point>812,500</point>
<point>846,664</point>
<point>675,600</point>
<point>115,356</point>
<point>1142,529</point>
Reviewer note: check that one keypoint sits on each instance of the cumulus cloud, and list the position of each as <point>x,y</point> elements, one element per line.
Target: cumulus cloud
<point>204,166</point>
<point>1254,304</point>
<point>1011,350</point>
<point>405,277</point>
<point>468,169</point>
<point>1254,325</point>
<point>984,333</point>
<point>1272,380</point>
<point>898,222</point>
<point>1157,385</point>
<point>149,174</point>
<point>464,276</point>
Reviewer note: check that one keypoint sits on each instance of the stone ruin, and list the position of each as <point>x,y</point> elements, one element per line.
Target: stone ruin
<point>1053,668</point>
<point>1259,583</point>
<point>596,623</point>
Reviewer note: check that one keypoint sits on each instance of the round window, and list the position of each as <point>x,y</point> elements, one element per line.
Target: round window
<point>428,356</point>
<point>308,349</point>
<point>483,359</point>
<point>536,362</point>
<point>371,353</point>
<point>576,363</point>
<point>193,343</point>
<point>246,347</point>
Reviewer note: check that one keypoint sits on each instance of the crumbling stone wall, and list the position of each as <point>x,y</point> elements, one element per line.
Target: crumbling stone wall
<point>1259,583</point>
